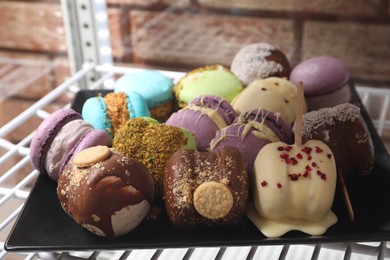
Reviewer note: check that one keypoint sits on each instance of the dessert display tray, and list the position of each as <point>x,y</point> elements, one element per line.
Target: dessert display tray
<point>44,226</point>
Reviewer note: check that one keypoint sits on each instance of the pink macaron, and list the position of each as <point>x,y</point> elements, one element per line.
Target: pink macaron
<point>325,81</point>
<point>58,137</point>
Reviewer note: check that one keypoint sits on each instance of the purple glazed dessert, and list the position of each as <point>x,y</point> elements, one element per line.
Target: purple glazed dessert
<point>203,117</point>
<point>250,132</point>
<point>60,136</point>
<point>325,81</point>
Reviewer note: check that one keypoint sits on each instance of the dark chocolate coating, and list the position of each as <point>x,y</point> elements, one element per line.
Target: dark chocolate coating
<point>280,58</point>
<point>343,129</point>
<point>187,169</point>
<point>102,189</point>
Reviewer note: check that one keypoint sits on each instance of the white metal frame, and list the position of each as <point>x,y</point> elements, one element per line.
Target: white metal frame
<point>88,36</point>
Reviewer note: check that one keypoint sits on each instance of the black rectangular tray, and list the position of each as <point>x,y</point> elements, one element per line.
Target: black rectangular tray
<point>44,226</point>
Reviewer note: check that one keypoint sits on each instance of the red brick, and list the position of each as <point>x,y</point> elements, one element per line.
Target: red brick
<point>25,75</point>
<point>143,3</point>
<point>11,107</point>
<point>364,47</point>
<point>61,70</point>
<point>148,3</point>
<point>119,32</point>
<point>32,26</point>
<point>360,7</point>
<point>199,39</point>
<point>178,3</point>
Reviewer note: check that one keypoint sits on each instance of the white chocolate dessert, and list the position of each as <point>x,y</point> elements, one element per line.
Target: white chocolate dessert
<point>273,94</point>
<point>294,187</point>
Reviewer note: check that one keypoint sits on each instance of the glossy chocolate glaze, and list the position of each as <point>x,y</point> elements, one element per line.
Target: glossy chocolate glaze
<point>343,129</point>
<point>187,169</point>
<point>92,194</point>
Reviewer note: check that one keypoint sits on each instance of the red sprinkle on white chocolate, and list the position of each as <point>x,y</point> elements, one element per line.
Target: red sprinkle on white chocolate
<point>285,157</point>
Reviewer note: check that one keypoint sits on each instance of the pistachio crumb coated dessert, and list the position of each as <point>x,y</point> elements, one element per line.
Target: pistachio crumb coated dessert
<point>152,144</point>
<point>106,192</point>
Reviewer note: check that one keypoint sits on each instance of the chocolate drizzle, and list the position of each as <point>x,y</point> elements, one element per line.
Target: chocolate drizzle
<point>93,194</point>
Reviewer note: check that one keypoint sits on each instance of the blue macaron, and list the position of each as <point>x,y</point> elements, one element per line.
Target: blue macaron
<point>99,114</point>
<point>153,86</point>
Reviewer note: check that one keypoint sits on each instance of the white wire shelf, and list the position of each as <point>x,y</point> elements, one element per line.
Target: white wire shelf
<point>15,187</point>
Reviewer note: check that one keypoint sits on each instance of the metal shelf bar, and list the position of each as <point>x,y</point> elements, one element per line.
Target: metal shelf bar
<point>31,111</point>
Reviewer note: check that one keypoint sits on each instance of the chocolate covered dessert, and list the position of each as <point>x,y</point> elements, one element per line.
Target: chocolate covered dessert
<point>106,192</point>
<point>343,129</point>
<point>206,188</point>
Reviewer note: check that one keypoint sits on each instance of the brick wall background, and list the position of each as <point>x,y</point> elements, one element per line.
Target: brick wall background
<point>184,34</point>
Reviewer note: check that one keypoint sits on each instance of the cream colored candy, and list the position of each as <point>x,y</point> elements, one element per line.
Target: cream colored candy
<point>213,200</point>
<point>294,187</point>
<point>91,156</point>
<point>274,94</point>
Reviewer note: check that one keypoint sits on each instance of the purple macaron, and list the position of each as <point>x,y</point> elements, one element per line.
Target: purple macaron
<point>203,117</point>
<point>93,138</point>
<point>58,137</point>
<point>250,132</point>
<point>325,81</point>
